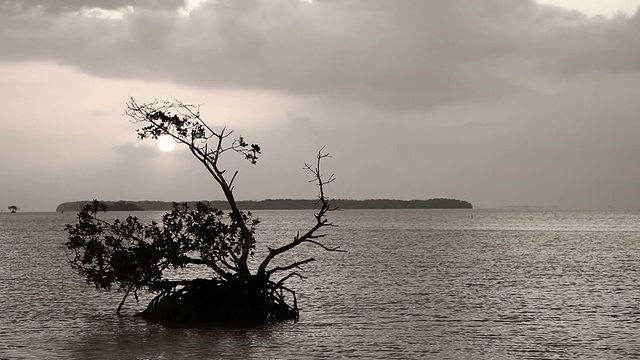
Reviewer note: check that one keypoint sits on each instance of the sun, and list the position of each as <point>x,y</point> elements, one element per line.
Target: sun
<point>166,143</point>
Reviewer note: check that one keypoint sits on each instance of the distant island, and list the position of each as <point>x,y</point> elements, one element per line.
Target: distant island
<point>280,204</point>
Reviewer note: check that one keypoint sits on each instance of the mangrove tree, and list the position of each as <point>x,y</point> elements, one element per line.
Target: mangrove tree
<point>130,256</point>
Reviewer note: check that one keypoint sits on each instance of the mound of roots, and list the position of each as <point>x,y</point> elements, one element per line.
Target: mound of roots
<point>210,301</point>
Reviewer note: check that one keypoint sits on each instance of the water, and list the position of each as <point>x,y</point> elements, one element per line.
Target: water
<point>415,284</point>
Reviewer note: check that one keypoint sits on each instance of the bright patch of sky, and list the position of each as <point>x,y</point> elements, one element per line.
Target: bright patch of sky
<point>606,8</point>
<point>189,6</point>
<point>105,14</point>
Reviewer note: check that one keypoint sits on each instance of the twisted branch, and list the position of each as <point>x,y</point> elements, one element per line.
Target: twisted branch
<point>310,236</point>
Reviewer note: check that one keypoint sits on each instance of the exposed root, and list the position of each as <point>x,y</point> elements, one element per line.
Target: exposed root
<point>203,300</point>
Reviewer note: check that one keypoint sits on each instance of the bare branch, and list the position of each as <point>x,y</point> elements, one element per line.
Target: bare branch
<point>310,236</point>
<point>282,281</point>
<point>296,264</point>
<point>337,248</point>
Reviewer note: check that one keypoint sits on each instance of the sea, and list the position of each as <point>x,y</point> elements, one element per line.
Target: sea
<point>412,284</point>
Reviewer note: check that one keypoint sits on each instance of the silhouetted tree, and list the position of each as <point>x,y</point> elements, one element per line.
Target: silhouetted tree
<point>13,209</point>
<point>130,256</point>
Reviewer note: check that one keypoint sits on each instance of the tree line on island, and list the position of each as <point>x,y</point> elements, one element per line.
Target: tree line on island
<point>279,204</point>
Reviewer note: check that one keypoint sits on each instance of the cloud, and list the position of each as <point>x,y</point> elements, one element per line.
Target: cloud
<point>57,6</point>
<point>395,55</point>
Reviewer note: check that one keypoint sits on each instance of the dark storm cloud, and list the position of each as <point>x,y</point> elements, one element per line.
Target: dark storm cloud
<point>392,54</point>
<point>606,48</point>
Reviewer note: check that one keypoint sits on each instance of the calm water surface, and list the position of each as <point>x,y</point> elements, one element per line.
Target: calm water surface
<point>415,284</point>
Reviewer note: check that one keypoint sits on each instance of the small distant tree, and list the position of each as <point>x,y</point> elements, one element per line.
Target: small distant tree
<point>14,209</point>
<point>129,256</point>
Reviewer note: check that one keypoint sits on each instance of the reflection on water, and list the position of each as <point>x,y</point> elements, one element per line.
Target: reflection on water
<point>129,338</point>
<point>414,284</point>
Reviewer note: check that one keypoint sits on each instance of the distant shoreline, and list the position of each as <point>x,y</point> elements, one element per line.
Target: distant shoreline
<point>280,204</point>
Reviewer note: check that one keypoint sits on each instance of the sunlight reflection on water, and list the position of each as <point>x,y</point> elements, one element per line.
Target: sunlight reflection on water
<point>414,284</point>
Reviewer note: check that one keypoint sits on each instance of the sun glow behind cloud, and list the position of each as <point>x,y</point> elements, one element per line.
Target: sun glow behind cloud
<point>190,6</point>
<point>166,143</point>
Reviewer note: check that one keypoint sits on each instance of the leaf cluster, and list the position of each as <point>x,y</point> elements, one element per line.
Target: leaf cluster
<point>183,122</point>
<point>132,255</point>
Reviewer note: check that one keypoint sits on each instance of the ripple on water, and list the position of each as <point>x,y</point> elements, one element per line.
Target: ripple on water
<point>414,284</point>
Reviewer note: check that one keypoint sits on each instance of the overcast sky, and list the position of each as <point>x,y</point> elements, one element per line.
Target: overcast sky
<point>497,102</point>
